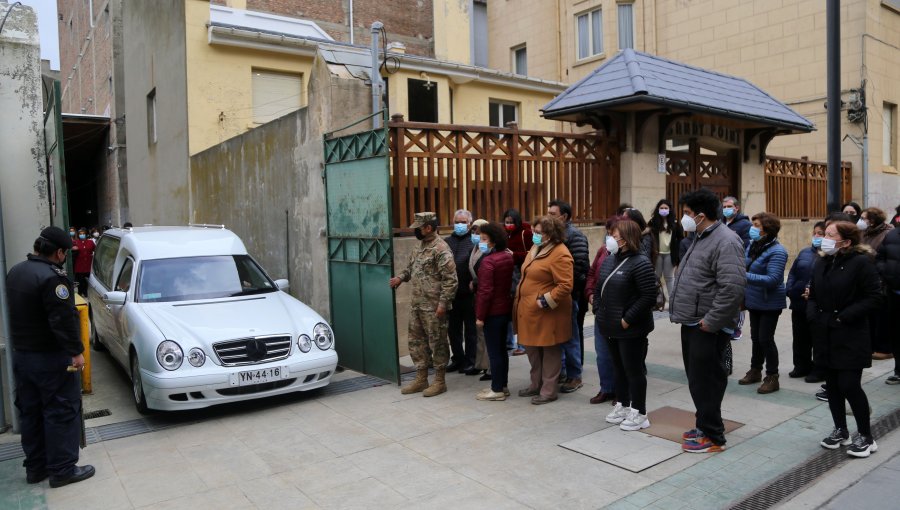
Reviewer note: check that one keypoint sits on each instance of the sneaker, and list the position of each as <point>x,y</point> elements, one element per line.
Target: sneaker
<point>862,446</point>
<point>571,385</point>
<point>491,395</point>
<point>702,445</point>
<point>635,421</point>
<point>822,394</point>
<point>894,379</point>
<point>618,414</point>
<point>506,390</point>
<point>692,435</point>
<point>837,439</point>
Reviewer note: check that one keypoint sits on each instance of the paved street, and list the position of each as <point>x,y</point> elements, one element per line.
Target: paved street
<point>376,448</point>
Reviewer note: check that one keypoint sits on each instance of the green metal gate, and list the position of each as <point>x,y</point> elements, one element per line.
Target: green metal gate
<point>360,252</point>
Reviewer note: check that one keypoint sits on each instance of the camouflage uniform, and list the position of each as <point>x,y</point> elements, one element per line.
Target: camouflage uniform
<point>432,271</point>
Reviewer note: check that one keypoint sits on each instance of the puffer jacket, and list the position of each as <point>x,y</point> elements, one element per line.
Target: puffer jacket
<point>844,292</point>
<point>709,285</point>
<point>887,260</point>
<point>799,276</point>
<point>765,278</point>
<point>630,294</point>
<point>741,226</point>
<point>577,244</point>
<point>494,279</point>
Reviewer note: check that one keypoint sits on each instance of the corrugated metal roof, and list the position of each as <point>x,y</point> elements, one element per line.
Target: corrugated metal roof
<point>633,76</point>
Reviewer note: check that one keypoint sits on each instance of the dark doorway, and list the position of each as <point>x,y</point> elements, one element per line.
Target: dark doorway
<point>85,141</point>
<point>423,105</point>
<point>700,168</point>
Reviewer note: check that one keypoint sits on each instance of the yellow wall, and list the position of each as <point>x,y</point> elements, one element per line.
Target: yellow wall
<point>452,31</point>
<point>471,105</point>
<point>532,22</point>
<point>219,81</point>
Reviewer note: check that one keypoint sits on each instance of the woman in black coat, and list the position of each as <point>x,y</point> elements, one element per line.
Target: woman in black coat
<point>624,296</point>
<point>844,291</point>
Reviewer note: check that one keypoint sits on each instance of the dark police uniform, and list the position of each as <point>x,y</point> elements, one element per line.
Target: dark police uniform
<point>46,335</point>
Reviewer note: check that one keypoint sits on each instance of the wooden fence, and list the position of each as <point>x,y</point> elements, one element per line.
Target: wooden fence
<point>443,168</point>
<point>798,188</point>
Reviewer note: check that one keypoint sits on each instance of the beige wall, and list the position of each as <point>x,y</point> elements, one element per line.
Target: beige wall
<point>220,96</point>
<point>532,22</point>
<point>453,31</point>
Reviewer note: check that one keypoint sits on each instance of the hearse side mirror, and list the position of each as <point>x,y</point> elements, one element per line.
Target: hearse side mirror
<point>282,284</point>
<point>114,298</point>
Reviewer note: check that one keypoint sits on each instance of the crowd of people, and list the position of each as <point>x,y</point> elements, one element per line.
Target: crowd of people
<point>490,290</point>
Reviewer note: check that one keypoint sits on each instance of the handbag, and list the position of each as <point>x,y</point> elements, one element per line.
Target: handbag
<point>660,298</point>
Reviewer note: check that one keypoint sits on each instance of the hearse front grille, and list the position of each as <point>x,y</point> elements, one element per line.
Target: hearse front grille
<point>253,351</point>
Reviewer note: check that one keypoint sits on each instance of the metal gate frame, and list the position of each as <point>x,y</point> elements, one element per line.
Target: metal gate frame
<point>360,251</point>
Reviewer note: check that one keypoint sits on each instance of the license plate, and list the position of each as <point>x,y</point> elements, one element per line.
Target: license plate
<point>258,376</point>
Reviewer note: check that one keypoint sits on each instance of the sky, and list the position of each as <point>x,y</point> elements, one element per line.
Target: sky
<point>48,28</point>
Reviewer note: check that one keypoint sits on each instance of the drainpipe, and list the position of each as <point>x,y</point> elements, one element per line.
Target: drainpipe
<point>865,168</point>
<point>376,76</point>
<point>833,88</point>
<point>350,7</point>
<point>10,385</point>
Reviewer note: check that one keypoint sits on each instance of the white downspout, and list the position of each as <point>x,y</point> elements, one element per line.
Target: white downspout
<point>350,7</point>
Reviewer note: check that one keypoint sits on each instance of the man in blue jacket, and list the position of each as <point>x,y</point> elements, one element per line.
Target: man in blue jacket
<point>706,297</point>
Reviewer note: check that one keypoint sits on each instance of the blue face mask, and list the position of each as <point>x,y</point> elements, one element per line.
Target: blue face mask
<point>476,238</point>
<point>728,211</point>
<point>817,242</point>
<point>82,236</point>
<point>537,239</point>
<point>460,228</point>
<point>754,233</point>
<point>483,247</point>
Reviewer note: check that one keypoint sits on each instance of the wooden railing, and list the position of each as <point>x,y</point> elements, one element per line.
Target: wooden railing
<point>798,188</point>
<point>443,168</point>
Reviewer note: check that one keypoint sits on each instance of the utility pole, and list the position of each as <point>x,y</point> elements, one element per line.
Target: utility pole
<point>376,75</point>
<point>833,119</point>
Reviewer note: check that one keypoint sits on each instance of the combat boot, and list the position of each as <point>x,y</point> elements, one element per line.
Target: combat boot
<point>438,386</point>
<point>754,375</point>
<point>769,385</point>
<point>418,384</point>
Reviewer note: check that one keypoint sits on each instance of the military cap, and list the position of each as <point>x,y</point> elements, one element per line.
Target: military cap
<point>58,237</point>
<point>422,218</point>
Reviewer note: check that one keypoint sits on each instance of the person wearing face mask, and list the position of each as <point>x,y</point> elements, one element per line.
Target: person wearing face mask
<point>46,338</point>
<point>874,227</point>
<point>481,358</point>
<point>542,308</point>
<point>706,297</point>
<point>798,279</point>
<point>519,242</point>
<point>764,297</point>
<point>845,289</point>
<point>853,210</point>
<point>95,235</point>
<point>83,248</point>
<point>667,236</point>
<point>740,225</point>
<point>432,273</point>
<point>462,313</point>
<point>623,308</point>
<point>493,305</point>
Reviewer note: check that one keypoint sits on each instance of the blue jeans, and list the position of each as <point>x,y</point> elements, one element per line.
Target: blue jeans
<point>571,350</point>
<point>604,362</point>
<point>495,343</point>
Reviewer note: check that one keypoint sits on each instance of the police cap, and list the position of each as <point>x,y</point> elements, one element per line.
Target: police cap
<point>58,237</point>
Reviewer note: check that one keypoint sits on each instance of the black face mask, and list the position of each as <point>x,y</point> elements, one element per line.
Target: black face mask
<point>419,234</point>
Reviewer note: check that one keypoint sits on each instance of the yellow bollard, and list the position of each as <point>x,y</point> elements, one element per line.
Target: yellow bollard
<point>82,307</point>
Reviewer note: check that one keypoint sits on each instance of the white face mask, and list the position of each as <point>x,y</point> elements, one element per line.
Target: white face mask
<point>861,224</point>
<point>829,246</point>
<point>688,223</point>
<point>611,245</point>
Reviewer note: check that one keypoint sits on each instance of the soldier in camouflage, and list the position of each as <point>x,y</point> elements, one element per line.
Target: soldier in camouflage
<point>432,271</point>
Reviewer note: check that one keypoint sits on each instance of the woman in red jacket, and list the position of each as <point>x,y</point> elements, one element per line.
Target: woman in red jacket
<point>84,257</point>
<point>493,305</point>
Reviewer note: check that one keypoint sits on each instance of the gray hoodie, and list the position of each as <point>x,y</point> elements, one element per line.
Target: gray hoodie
<point>710,282</point>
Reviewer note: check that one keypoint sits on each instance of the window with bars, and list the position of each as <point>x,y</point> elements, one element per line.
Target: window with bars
<point>590,33</point>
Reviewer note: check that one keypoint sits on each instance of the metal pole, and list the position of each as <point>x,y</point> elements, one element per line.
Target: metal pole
<point>376,75</point>
<point>865,169</point>
<point>833,79</point>
<point>350,8</point>
<point>4,317</point>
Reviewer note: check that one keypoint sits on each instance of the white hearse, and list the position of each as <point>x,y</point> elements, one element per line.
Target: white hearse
<point>196,321</point>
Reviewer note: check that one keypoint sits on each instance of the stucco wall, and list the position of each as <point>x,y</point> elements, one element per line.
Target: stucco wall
<point>158,186</point>
<point>23,174</point>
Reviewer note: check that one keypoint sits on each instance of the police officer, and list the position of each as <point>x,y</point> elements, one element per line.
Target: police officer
<point>46,337</point>
<point>432,271</point>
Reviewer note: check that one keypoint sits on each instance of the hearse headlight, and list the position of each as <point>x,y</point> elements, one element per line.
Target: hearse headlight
<point>169,355</point>
<point>196,357</point>
<point>304,343</point>
<point>324,337</point>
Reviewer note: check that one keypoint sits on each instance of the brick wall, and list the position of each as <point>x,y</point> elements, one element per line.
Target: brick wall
<point>408,21</point>
<point>85,57</point>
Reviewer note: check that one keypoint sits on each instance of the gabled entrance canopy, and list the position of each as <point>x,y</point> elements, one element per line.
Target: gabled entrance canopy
<point>648,85</point>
